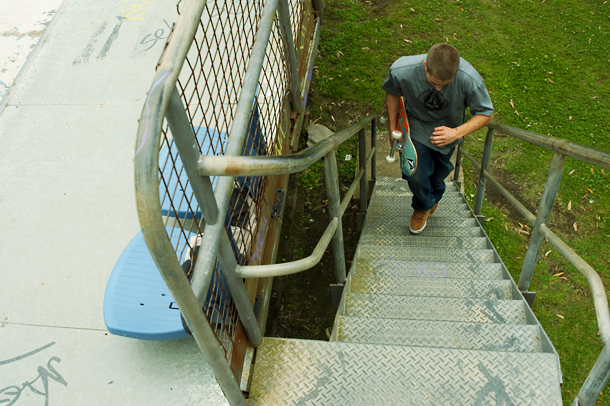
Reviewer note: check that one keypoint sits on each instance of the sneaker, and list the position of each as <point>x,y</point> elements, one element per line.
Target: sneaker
<point>433,209</point>
<point>418,221</point>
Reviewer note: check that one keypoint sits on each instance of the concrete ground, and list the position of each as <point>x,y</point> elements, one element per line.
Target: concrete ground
<point>67,205</point>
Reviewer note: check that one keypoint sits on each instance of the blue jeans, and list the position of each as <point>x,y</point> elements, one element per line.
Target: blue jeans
<point>428,182</point>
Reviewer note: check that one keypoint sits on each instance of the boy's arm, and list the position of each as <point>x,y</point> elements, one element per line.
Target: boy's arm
<point>445,135</point>
<point>391,103</point>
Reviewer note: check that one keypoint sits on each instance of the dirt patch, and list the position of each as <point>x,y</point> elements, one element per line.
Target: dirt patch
<point>300,305</point>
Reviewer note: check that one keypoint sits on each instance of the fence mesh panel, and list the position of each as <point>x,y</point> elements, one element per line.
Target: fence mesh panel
<point>210,84</point>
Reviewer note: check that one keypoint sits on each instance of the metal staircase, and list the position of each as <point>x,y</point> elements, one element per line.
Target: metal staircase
<point>433,319</point>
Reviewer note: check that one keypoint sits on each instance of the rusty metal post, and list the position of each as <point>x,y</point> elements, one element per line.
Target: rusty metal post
<point>334,211</point>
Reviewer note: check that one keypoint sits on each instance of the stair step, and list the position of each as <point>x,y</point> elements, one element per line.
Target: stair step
<point>401,227</point>
<point>439,334</point>
<point>301,372</point>
<point>396,211</point>
<point>429,254</point>
<point>381,223</point>
<point>438,287</point>
<point>390,182</point>
<point>450,202</point>
<point>423,269</point>
<point>405,238</point>
<point>434,308</point>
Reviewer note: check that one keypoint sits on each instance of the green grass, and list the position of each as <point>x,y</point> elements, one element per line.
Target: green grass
<point>546,65</point>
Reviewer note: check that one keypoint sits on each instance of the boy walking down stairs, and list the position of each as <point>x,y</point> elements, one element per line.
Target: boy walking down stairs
<point>429,319</point>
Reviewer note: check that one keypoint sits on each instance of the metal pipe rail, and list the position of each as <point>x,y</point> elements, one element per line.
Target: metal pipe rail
<point>210,165</point>
<point>600,373</point>
<point>164,102</point>
<point>288,268</point>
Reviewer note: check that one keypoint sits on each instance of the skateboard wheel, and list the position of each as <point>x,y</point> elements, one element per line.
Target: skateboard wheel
<point>390,159</point>
<point>396,135</point>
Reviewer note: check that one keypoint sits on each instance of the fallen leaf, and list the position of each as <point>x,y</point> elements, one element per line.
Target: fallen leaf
<point>517,113</point>
<point>454,36</point>
<point>506,226</point>
<point>589,189</point>
<point>570,205</point>
<point>437,19</point>
<point>560,316</point>
<point>547,253</point>
<point>550,80</point>
<point>563,277</point>
<point>570,117</point>
<point>489,219</point>
<point>336,120</point>
<point>572,171</point>
<point>559,274</point>
<point>589,40</point>
<point>406,40</point>
<point>511,100</point>
<point>575,227</point>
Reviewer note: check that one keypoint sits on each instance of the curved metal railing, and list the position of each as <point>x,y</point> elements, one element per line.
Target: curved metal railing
<point>600,373</point>
<point>261,76</point>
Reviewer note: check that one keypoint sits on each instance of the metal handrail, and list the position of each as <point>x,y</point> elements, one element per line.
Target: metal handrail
<point>600,373</point>
<point>211,165</point>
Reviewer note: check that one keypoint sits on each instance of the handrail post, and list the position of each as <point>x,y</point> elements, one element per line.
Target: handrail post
<point>458,166</point>
<point>188,149</point>
<point>295,88</point>
<point>596,380</point>
<point>363,181</point>
<point>484,166</point>
<point>544,212</point>
<point>334,210</point>
<point>373,147</point>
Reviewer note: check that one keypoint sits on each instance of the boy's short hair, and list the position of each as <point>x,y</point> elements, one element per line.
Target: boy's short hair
<point>443,61</point>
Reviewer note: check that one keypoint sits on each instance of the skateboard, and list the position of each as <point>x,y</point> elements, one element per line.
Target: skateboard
<point>408,154</point>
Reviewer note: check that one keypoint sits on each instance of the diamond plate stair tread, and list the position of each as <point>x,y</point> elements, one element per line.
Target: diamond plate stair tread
<point>420,254</point>
<point>439,334</point>
<point>424,269</point>
<point>465,288</point>
<point>313,373</point>
<point>449,202</point>
<point>406,192</point>
<point>387,181</point>
<point>397,211</point>
<point>434,308</point>
<point>430,231</point>
<point>433,221</point>
<point>405,238</point>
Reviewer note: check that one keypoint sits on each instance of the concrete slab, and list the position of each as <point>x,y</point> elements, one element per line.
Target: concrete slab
<point>67,210</point>
<point>21,26</point>
<point>56,366</point>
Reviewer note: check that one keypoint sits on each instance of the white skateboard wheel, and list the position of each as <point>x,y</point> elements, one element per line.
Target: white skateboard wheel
<point>396,135</point>
<point>390,159</point>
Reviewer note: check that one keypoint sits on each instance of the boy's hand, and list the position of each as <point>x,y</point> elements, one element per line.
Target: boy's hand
<point>444,136</point>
